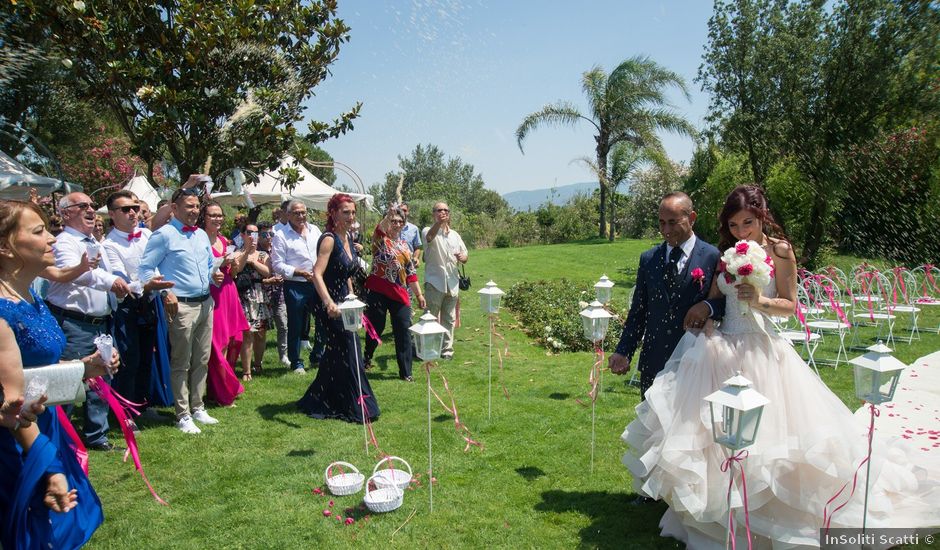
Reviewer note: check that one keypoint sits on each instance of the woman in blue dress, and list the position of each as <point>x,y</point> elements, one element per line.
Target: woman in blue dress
<point>46,500</point>
<point>335,393</point>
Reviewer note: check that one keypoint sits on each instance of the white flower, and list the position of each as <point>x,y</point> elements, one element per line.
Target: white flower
<point>78,5</point>
<point>557,344</point>
<point>145,91</point>
<point>548,329</point>
<point>67,63</point>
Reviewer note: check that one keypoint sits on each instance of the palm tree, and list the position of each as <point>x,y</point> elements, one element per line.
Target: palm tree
<point>625,159</point>
<point>629,105</point>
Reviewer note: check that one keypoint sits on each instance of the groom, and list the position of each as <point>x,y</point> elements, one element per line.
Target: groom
<point>672,277</point>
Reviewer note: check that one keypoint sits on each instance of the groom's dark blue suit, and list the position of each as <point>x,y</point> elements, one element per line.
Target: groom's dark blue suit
<point>658,308</point>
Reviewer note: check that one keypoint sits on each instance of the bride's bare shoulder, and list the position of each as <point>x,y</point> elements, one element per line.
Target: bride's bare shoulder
<point>781,249</point>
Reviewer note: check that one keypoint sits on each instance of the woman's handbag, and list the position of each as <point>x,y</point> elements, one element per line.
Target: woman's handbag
<point>462,280</point>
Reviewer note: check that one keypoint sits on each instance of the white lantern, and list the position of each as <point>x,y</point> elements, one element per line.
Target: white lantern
<point>429,337</point>
<point>603,289</point>
<point>739,413</point>
<point>489,297</point>
<point>877,374</point>
<point>351,310</point>
<point>595,320</point>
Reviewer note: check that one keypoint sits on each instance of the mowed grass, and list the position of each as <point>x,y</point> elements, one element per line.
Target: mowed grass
<point>247,482</point>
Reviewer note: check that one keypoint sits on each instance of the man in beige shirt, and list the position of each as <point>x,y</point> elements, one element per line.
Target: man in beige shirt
<point>444,250</point>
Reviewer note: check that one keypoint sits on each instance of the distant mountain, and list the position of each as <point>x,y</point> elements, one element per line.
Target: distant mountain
<point>533,198</point>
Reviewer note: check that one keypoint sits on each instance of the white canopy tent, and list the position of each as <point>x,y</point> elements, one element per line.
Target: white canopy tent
<point>310,189</point>
<point>144,191</point>
<point>16,181</point>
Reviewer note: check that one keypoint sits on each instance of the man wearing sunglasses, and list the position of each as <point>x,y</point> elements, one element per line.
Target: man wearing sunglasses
<point>83,307</point>
<point>444,251</point>
<point>134,318</point>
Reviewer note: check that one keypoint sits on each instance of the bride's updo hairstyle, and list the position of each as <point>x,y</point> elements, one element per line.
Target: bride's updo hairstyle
<point>752,198</point>
<point>10,213</point>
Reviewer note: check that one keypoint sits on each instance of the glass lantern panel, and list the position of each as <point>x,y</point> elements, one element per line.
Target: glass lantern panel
<point>875,387</point>
<point>352,320</point>
<point>428,346</point>
<point>489,303</point>
<point>602,294</point>
<point>738,428</point>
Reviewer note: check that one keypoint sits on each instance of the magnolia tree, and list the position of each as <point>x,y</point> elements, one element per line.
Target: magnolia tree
<point>198,82</point>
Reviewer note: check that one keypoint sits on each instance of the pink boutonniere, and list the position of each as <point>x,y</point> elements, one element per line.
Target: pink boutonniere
<point>699,276</point>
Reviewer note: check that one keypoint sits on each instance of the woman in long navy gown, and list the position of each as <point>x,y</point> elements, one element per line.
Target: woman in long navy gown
<point>46,500</point>
<point>335,392</point>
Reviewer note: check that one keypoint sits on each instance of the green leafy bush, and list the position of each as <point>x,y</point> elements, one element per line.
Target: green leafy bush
<point>548,311</point>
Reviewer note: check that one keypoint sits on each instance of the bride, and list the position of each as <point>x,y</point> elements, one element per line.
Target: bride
<point>808,444</point>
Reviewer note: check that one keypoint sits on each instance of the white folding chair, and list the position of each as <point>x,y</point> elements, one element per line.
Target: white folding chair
<point>797,334</point>
<point>873,306</point>
<point>927,281</point>
<point>823,320</point>
<point>903,296</point>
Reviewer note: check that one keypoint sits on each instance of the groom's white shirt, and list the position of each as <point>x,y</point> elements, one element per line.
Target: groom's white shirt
<point>687,247</point>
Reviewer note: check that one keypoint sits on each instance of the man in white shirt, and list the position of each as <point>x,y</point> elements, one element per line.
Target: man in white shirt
<point>293,253</point>
<point>134,320</point>
<point>82,307</point>
<point>443,251</point>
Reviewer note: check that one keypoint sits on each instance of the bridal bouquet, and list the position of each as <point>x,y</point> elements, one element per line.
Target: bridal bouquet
<point>746,262</point>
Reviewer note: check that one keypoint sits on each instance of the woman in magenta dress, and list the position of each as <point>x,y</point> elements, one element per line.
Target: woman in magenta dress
<point>228,321</point>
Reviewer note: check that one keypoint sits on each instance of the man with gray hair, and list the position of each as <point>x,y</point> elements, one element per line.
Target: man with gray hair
<point>444,251</point>
<point>293,253</point>
<point>83,307</point>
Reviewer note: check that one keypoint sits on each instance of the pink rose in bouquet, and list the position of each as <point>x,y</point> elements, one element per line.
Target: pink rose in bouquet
<point>747,262</point>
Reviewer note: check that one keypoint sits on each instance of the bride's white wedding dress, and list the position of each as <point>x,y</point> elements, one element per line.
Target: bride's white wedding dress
<point>808,446</point>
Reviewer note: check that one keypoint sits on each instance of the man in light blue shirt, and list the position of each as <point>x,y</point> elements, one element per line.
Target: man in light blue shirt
<point>181,252</point>
<point>411,236</point>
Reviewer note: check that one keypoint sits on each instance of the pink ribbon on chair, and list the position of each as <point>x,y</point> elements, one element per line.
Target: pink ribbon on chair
<point>117,404</point>
<point>802,318</point>
<point>726,466</point>
<point>832,301</point>
<point>370,330</point>
<point>76,443</point>
<point>827,517</point>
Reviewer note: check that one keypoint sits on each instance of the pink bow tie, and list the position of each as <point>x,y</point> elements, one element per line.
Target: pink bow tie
<point>189,228</point>
<point>132,236</point>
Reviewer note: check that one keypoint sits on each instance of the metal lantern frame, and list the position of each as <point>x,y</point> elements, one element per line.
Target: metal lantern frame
<point>603,290</point>
<point>740,408</point>
<point>429,337</point>
<point>490,296</point>
<point>595,320</point>
<point>877,374</point>
<point>351,310</point>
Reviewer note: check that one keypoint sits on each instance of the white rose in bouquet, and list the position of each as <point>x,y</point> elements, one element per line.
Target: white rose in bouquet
<point>747,262</point>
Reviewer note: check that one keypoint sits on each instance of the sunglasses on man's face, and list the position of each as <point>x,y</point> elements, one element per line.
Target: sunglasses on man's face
<point>129,208</point>
<point>196,191</point>
<point>265,234</point>
<point>83,205</point>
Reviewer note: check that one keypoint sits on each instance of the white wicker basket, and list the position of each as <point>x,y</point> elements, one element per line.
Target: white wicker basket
<point>344,483</point>
<point>392,476</point>
<point>382,499</point>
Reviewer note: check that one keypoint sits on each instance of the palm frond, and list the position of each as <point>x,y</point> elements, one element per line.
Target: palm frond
<point>556,114</point>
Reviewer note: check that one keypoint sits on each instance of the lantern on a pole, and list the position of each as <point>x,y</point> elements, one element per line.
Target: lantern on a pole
<point>489,298</point>
<point>595,320</point>
<point>877,374</point>
<point>429,340</point>
<point>351,312</point>
<point>876,377</point>
<point>739,408</point>
<point>734,426</point>
<point>603,289</point>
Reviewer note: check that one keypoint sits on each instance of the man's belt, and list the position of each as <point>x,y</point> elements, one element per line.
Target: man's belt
<point>196,300</point>
<point>81,317</point>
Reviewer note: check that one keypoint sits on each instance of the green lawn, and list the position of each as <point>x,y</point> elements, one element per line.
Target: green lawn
<point>247,482</point>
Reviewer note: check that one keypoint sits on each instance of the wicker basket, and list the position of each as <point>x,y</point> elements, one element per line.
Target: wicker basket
<point>392,476</point>
<point>382,499</point>
<point>345,483</point>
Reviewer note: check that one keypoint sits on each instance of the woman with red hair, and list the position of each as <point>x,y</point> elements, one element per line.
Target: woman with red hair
<point>336,392</point>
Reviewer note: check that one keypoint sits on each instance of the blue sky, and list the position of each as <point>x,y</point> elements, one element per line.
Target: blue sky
<point>462,74</point>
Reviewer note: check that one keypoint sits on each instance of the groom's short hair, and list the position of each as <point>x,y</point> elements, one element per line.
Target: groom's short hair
<point>684,201</point>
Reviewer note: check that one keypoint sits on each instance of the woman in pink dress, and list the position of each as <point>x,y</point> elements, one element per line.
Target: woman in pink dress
<point>228,321</point>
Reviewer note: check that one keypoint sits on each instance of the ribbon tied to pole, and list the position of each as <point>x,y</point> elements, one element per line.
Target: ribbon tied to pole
<point>728,466</point>
<point>827,516</point>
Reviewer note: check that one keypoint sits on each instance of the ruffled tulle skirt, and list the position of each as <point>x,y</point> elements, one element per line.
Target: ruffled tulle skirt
<point>808,446</point>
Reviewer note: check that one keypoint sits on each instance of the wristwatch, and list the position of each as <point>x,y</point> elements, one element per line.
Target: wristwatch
<point>164,292</point>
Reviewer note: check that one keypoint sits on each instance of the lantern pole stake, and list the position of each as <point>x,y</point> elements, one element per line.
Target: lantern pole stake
<point>362,401</point>
<point>868,471</point>
<point>427,369</point>
<point>489,390</point>
<point>730,512</point>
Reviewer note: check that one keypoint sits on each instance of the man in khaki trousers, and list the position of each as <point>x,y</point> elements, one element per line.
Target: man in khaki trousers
<point>443,250</point>
<point>181,252</point>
